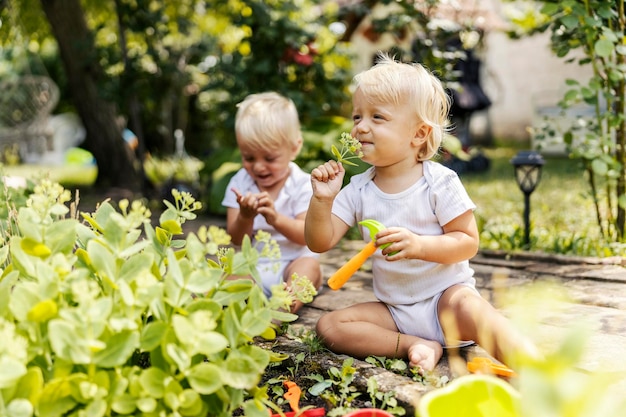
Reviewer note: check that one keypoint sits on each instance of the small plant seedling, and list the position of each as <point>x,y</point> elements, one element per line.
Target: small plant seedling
<point>350,149</point>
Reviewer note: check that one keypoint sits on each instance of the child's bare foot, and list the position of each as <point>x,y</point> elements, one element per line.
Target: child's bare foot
<point>425,354</point>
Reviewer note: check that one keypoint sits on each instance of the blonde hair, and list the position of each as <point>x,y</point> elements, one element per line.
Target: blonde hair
<point>268,121</point>
<point>391,81</point>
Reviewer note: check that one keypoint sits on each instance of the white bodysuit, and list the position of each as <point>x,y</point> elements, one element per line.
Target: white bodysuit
<point>411,288</point>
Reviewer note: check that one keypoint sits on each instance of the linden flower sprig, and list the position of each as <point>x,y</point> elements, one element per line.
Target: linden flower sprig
<point>349,145</point>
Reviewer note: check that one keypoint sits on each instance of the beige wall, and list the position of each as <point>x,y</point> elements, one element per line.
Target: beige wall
<point>522,76</point>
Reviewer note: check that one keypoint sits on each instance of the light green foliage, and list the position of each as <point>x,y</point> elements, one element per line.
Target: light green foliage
<point>112,316</point>
<point>595,30</point>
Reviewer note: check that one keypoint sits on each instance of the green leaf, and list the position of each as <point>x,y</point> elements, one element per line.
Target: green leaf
<point>4,254</point>
<point>318,388</point>
<point>259,355</point>
<point>135,248</point>
<point>61,236</point>
<point>604,48</point>
<point>205,378</point>
<point>179,356</point>
<point>66,343</point>
<point>335,152</point>
<point>12,371</point>
<point>174,273</point>
<point>102,260</point>
<point>600,167</point>
<point>207,305</point>
<point>119,349</point>
<point>20,260</point>
<point>124,404</point>
<point>153,381</point>
<point>147,405</point>
<point>96,408</point>
<point>201,282</point>
<point>7,283</point>
<point>30,385</point>
<point>162,235</point>
<point>198,337</point>
<point>56,399</point>
<point>241,371</point>
<point>253,323</point>
<point>20,407</point>
<point>172,226</point>
<point>152,335</point>
<point>191,403</point>
<point>23,298</point>
<point>136,266</point>
<point>570,21</point>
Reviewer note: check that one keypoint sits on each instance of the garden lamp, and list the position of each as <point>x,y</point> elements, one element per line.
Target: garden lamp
<point>527,174</point>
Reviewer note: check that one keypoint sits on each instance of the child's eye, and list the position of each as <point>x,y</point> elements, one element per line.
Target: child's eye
<point>356,118</point>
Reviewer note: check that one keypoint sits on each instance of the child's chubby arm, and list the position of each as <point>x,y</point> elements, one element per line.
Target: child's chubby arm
<point>322,229</point>
<point>458,242</point>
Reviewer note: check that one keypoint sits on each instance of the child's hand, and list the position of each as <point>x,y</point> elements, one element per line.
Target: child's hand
<point>265,207</point>
<point>327,179</point>
<point>403,243</point>
<point>248,204</point>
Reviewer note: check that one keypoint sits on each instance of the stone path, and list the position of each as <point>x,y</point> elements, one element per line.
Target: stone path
<point>553,293</point>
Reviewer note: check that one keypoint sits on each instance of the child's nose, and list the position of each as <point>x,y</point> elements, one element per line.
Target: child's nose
<point>361,127</point>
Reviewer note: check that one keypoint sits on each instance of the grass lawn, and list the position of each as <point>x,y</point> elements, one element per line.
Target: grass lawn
<point>562,212</point>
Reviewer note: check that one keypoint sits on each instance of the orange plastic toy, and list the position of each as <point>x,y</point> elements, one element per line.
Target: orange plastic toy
<point>482,365</point>
<point>293,397</point>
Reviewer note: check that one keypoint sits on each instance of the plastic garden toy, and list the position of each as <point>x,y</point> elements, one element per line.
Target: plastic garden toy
<point>481,365</point>
<point>473,395</point>
<point>293,396</point>
<point>343,274</point>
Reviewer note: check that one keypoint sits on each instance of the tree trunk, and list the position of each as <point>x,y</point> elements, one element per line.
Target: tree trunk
<point>104,139</point>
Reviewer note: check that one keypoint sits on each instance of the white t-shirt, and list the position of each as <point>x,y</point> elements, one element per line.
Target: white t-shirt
<point>292,200</point>
<point>424,208</point>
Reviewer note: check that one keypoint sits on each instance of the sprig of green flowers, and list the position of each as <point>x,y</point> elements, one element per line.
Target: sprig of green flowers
<point>350,149</point>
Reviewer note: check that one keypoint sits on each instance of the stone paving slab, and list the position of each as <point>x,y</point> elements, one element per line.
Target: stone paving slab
<point>593,292</point>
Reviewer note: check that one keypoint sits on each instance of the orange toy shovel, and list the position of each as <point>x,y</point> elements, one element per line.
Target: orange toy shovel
<point>343,274</point>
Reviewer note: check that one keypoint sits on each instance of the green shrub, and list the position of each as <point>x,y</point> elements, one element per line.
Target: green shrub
<point>112,316</point>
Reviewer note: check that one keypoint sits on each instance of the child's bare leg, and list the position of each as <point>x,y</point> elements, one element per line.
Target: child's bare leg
<point>305,267</point>
<point>465,315</point>
<point>368,329</point>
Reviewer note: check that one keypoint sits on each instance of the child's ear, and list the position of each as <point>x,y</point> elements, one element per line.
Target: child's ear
<point>422,132</point>
<point>297,146</point>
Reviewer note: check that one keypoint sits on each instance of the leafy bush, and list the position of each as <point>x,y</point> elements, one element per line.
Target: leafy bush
<point>112,316</point>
